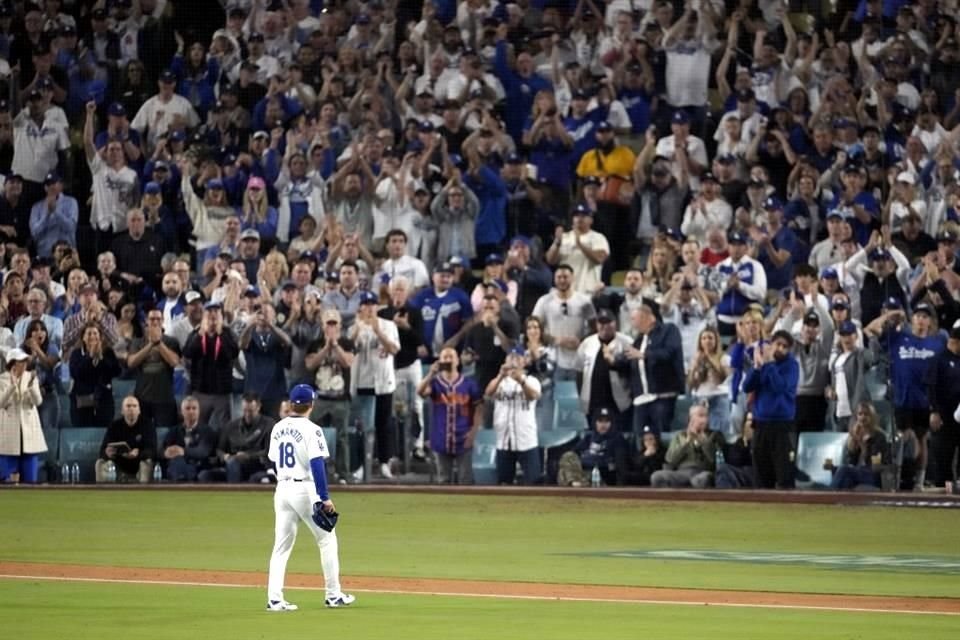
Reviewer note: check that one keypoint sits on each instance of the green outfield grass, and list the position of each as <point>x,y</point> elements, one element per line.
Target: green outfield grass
<point>492,538</point>
<point>62,610</point>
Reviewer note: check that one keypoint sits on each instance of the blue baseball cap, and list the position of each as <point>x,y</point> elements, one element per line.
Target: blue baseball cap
<point>840,304</point>
<point>582,210</point>
<point>168,77</point>
<point>892,303</point>
<point>369,297</point>
<point>518,350</point>
<point>302,394</point>
<point>117,109</point>
<point>736,237</point>
<point>847,328</point>
<point>212,305</point>
<point>524,240</point>
<point>880,254</point>
<point>425,126</point>
<point>604,126</point>
<point>151,188</point>
<point>494,258</point>
<point>674,233</point>
<point>178,136</point>
<point>829,273</point>
<point>514,158</point>
<point>252,291</point>
<point>773,203</point>
<point>215,183</point>
<point>835,213</point>
<point>680,117</point>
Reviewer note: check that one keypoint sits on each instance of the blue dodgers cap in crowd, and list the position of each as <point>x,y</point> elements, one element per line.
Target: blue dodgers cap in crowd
<point>829,273</point>
<point>923,307</point>
<point>524,240</point>
<point>603,413</point>
<point>362,19</point>
<point>445,267</point>
<point>168,77</point>
<point>415,146</point>
<point>582,210</point>
<point>880,254</point>
<point>457,160</point>
<point>213,304</point>
<point>151,188</point>
<point>726,158</point>
<point>580,94</point>
<point>425,126</point>
<point>674,234</point>
<point>773,203</point>
<point>178,136</point>
<point>840,304</point>
<point>493,258</point>
<point>707,176</point>
<point>369,297</point>
<point>51,178</point>
<point>161,165</point>
<point>835,213</point>
<point>117,109</point>
<point>892,303</point>
<point>736,237</point>
<point>215,183</point>
<point>680,117</point>
<point>255,36</point>
<point>847,328</point>
<point>518,350</point>
<point>514,158</point>
<point>604,126</point>
<point>302,394</point>
<point>252,291</point>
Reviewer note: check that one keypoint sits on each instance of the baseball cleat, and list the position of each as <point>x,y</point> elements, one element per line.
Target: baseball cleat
<point>280,605</point>
<point>342,600</point>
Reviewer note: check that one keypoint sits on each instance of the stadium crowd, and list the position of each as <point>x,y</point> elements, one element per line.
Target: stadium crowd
<point>461,208</point>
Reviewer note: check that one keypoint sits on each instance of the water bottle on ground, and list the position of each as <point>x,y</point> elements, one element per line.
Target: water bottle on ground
<point>719,459</point>
<point>157,473</point>
<point>64,473</point>
<point>75,473</point>
<point>111,471</point>
<point>595,477</point>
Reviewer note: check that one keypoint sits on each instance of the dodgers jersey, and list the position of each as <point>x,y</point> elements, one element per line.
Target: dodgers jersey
<point>294,442</point>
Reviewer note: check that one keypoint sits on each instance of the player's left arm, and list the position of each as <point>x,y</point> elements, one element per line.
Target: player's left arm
<point>317,452</point>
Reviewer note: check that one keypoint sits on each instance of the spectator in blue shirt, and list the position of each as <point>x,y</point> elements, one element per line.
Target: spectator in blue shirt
<point>266,348</point>
<point>53,218</point>
<point>445,310</point>
<point>773,381</point>
<point>912,351</point>
<point>776,246</point>
<point>196,78</point>
<point>520,84</point>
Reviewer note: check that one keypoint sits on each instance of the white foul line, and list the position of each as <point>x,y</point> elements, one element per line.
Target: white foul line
<point>455,594</point>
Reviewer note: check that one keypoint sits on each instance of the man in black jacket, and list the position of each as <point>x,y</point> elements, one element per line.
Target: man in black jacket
<point>211,351</point>
<point>243,445</point>
<point>189,447</point>
<point>943,381</point>
<point>655,366</point>
<point>130,443</point>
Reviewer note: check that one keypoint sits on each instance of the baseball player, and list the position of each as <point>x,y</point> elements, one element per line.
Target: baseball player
<point>298,449</point>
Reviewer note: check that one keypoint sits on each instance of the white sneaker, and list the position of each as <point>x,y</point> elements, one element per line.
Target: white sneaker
<point>343,600</point>
<point>280,605</point>
<point>385,471</point>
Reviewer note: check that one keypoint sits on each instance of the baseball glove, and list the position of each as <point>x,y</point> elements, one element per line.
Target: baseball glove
<point>324,520</point>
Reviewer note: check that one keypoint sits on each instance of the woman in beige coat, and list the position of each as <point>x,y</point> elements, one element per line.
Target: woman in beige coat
<point>21,437</point>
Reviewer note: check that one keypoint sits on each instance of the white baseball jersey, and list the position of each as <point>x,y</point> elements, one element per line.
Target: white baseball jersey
<point>294,442</point>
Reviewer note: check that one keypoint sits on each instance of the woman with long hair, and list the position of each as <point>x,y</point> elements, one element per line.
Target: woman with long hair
<point>93,366</point>
<point>659,274</point>
<point>750,333</point>
<point>256,212</point>
<point>300,193</point>
<point>68,304</point>
<point>135,87</point>
<point>21,436</point>
<point>275,270</point>
<point>866,452</point>
<point>709,379</point>
<point>197,76</point>
<point>44,357</point>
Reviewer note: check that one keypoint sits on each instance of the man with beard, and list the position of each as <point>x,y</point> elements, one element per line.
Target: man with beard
<point>445,310</point>
<point>601,385</point>
<point>352,195</point>
<point>773,381</point>
<point>584,249</point>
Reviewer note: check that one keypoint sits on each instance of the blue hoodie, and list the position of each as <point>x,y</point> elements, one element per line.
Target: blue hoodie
<point>775,385</point>
<point>910,360</point>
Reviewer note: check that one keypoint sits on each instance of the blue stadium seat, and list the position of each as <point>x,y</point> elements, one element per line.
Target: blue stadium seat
<point>813,449</point>
<point>680,412</point>
<point>121,389</point>
<point>81,445</point>
<point>565,389</point>
<point>161,434</point>
<point>568,414</point>
<point>64,400</point>
<point>485,457</point>
<point>330,435</point>
<point>52,456</point>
